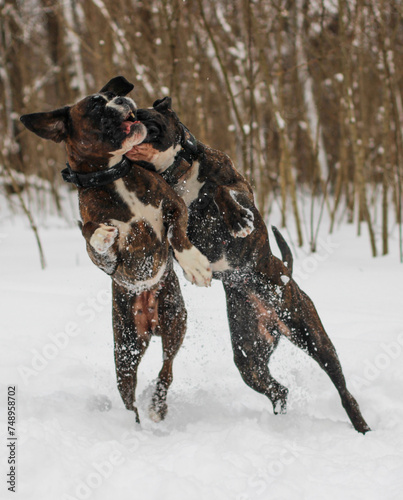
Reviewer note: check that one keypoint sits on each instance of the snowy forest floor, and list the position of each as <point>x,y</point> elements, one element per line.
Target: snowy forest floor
<point>220,439</point>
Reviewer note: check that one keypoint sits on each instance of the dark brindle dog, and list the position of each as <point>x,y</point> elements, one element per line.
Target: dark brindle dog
<point>129,216</point>
<point>263,301</point>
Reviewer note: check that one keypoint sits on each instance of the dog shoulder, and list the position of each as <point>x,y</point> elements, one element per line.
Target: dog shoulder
<point>219,167</point>
<point>96,204</point>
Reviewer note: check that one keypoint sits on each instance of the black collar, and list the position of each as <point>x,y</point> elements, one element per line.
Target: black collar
<point>100,178</point>
<point>188,153</point>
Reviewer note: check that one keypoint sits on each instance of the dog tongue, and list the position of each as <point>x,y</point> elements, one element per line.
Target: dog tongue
<point>127,126</point>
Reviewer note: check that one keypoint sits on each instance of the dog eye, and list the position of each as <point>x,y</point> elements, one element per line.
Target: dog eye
<point>96,101</point>
<point>153,132</point>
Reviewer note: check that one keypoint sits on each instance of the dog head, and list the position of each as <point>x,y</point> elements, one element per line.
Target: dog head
<point>166,135</point>
<point>99,127</point>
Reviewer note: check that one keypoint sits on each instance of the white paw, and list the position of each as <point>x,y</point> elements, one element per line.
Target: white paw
<point>154,415</point>
<point>280,408</point>
<point>245,225</point>
<point>196,267</point>
<point>245,231</point>
<point>103,238</point>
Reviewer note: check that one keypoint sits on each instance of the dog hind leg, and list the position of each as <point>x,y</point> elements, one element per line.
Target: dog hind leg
<point>308,333</point>
<point>130,345</point>
<point>172,328</point>
<point>255,336</point>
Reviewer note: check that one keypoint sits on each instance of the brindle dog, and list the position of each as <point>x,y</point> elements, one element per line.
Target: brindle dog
<point>263,301</point>
<point>129,218</point>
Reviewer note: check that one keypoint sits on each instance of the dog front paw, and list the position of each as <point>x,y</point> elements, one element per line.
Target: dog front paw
<point>103,238</point>
<point>244,225</point>
<point>196,267</point>
<point>238,218</point>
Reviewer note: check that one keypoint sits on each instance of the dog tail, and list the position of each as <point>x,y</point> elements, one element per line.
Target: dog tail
<point>284,249</point>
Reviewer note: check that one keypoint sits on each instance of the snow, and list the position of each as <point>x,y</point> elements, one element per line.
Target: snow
<point>280,121</point>
<point>220,439</point>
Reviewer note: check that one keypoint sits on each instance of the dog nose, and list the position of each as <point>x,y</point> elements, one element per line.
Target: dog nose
<point>118,100</point>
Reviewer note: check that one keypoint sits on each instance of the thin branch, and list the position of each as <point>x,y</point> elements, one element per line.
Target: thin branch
<point>27,212</point>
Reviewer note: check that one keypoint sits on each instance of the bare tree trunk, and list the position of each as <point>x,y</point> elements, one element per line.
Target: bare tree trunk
<point>173,20</point>
<point>73,41</point>
<point>224,71</point>
<point>358,152</point>
<point>397,113</point>
<point>305,80</point>
<point>287,178</point>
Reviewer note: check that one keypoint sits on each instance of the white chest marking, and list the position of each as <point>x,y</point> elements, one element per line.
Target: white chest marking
<point>162,160</point>
<point>188,187</point>
<point>139,211</point>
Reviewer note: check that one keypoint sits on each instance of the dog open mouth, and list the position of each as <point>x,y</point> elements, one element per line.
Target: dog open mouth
<point>129,123</point>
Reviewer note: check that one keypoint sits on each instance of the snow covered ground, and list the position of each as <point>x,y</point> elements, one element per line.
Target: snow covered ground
<point>220,439</point>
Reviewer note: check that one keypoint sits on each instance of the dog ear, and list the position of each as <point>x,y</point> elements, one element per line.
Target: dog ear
<point>118,86</point>
<point>51,125</point>
<point>162,105</point>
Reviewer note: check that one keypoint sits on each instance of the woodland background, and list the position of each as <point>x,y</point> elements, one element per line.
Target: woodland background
<point>305,95</point>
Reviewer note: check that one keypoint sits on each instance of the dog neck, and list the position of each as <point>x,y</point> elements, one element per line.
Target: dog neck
<point>162,161</point>
<point>183,159</point>
<point>180,165</point>
<point>80,163</point>
<point>100,177</point>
